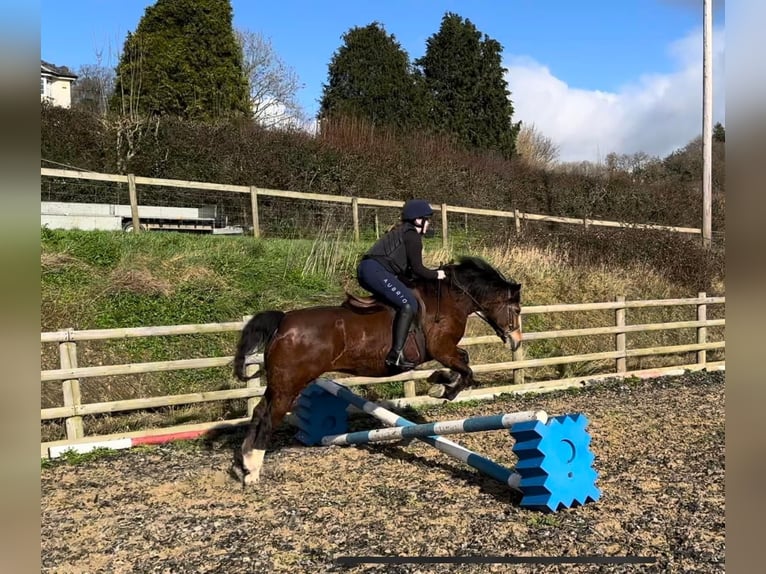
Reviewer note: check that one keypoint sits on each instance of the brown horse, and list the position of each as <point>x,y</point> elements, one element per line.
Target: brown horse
<point>300,345</point>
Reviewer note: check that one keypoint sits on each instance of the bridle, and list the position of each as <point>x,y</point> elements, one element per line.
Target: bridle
<point>482,313</point>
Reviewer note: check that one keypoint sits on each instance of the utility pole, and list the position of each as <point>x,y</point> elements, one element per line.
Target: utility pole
<point>707,123</point>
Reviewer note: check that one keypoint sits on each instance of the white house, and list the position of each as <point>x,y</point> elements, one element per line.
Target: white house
<point>56,84</point>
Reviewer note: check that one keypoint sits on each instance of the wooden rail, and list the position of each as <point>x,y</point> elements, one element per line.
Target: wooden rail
<point>70,372</point>
<point>354,202</point>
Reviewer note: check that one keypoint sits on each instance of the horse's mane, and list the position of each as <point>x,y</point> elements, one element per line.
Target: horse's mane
<point>479,277</point>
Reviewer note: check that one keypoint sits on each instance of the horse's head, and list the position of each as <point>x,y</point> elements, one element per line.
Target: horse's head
<point>495,299</point>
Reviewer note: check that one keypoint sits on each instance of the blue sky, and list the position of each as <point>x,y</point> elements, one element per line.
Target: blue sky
<point>594,76</point>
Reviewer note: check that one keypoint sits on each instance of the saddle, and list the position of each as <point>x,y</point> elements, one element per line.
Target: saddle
<point>362,304</point>
<point>415,346</point>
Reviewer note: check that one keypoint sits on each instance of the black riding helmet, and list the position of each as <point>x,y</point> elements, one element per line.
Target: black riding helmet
<point>416,208</point>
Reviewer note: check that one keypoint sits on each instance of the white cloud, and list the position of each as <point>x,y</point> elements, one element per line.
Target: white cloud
<point>656,114</point>
<point>271,113</point>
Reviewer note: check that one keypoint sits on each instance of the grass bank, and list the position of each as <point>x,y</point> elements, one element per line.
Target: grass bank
<point>93,280</point>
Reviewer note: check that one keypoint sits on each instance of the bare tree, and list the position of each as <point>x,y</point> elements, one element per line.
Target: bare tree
<point>584,168</point>
<point>273,84</point>
<point>631,163</point>
<point>94,86</point>
<point>534,148</point>
<point>130,124</point>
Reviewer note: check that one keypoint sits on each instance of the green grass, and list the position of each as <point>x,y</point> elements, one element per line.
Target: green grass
<point>123,280</point>
<point>459,406</point>
<point>544,521</point>
<point>72,457</point>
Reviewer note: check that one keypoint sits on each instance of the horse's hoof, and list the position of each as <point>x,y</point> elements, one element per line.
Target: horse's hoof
<point>243,477</point>
<point>249,480</point>
<point>437,391</point>
<point>440,378</point>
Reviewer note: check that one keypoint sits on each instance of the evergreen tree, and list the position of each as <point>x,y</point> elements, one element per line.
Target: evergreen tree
<point>183,60</point>
<point>370,77</point>
<point>719,133</point>
<point>465,77</point>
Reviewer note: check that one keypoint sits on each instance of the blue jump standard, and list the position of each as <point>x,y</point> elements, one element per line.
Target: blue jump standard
<point>554,467</point>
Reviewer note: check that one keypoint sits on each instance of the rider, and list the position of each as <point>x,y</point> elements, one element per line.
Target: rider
<point>399,253</point>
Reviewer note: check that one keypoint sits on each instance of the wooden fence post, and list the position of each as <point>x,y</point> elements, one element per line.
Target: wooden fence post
<point>445,230</point>
<point>254,209</point>
<point>517,221</point>
<point>133,193</point>
<point>409,389</point>
<point>253,383</point>
<point>377,225</point>
<point>702,331</point>
<point>71,389</point>
<point>355,216</point>
<point>619,338</point>
<point>518,355</point>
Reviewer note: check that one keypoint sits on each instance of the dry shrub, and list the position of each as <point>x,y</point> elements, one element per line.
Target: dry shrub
<point>552,274</point>
<point>330,255</point>
<point>561,275</point>
<point>192,266</point>
<point>146,276</point>
<point>200,274</point>
<point>137,280</point>
<point>56,262</point>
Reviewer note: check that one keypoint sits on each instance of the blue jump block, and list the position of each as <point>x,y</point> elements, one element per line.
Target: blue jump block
<point>319,414</point>
<point>555,463</point>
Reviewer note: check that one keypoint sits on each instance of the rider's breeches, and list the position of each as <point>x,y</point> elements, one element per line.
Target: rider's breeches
<point>379,280</point>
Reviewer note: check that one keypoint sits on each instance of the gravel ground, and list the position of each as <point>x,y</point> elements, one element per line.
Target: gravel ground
<point>659,449</point>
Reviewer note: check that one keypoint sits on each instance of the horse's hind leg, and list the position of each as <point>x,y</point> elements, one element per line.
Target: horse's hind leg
<point>266,417</point>
<point>256,441</point>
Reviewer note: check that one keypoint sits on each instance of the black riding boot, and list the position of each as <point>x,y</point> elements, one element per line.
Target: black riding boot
<point>396,359</point>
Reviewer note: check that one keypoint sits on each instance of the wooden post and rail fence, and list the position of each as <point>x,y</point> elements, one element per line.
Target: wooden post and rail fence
<point>355,203</point>
<point>70,372</point>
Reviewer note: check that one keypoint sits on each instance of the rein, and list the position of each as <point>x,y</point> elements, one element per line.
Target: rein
<point>437,318</point>
<point>484,315</point>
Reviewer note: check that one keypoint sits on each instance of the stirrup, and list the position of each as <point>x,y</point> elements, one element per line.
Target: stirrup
<point>399,361</point>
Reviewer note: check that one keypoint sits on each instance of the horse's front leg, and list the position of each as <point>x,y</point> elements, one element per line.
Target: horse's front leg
<point>455,359</point>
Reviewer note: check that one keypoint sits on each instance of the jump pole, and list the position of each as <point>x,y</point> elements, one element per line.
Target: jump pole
<point>480,463</point>
<point>56,451</point>
<point>440,428</point>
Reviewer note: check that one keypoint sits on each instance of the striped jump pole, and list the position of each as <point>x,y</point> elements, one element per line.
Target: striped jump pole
<point>56,451</point>
<point>480,463</point>
<point>554,467</point>
<point>405,431</point>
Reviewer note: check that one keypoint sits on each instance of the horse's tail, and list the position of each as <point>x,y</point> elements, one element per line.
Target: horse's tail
<point>255,337</point>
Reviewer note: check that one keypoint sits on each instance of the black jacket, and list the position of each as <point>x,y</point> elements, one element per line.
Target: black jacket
<point>401,252</point>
